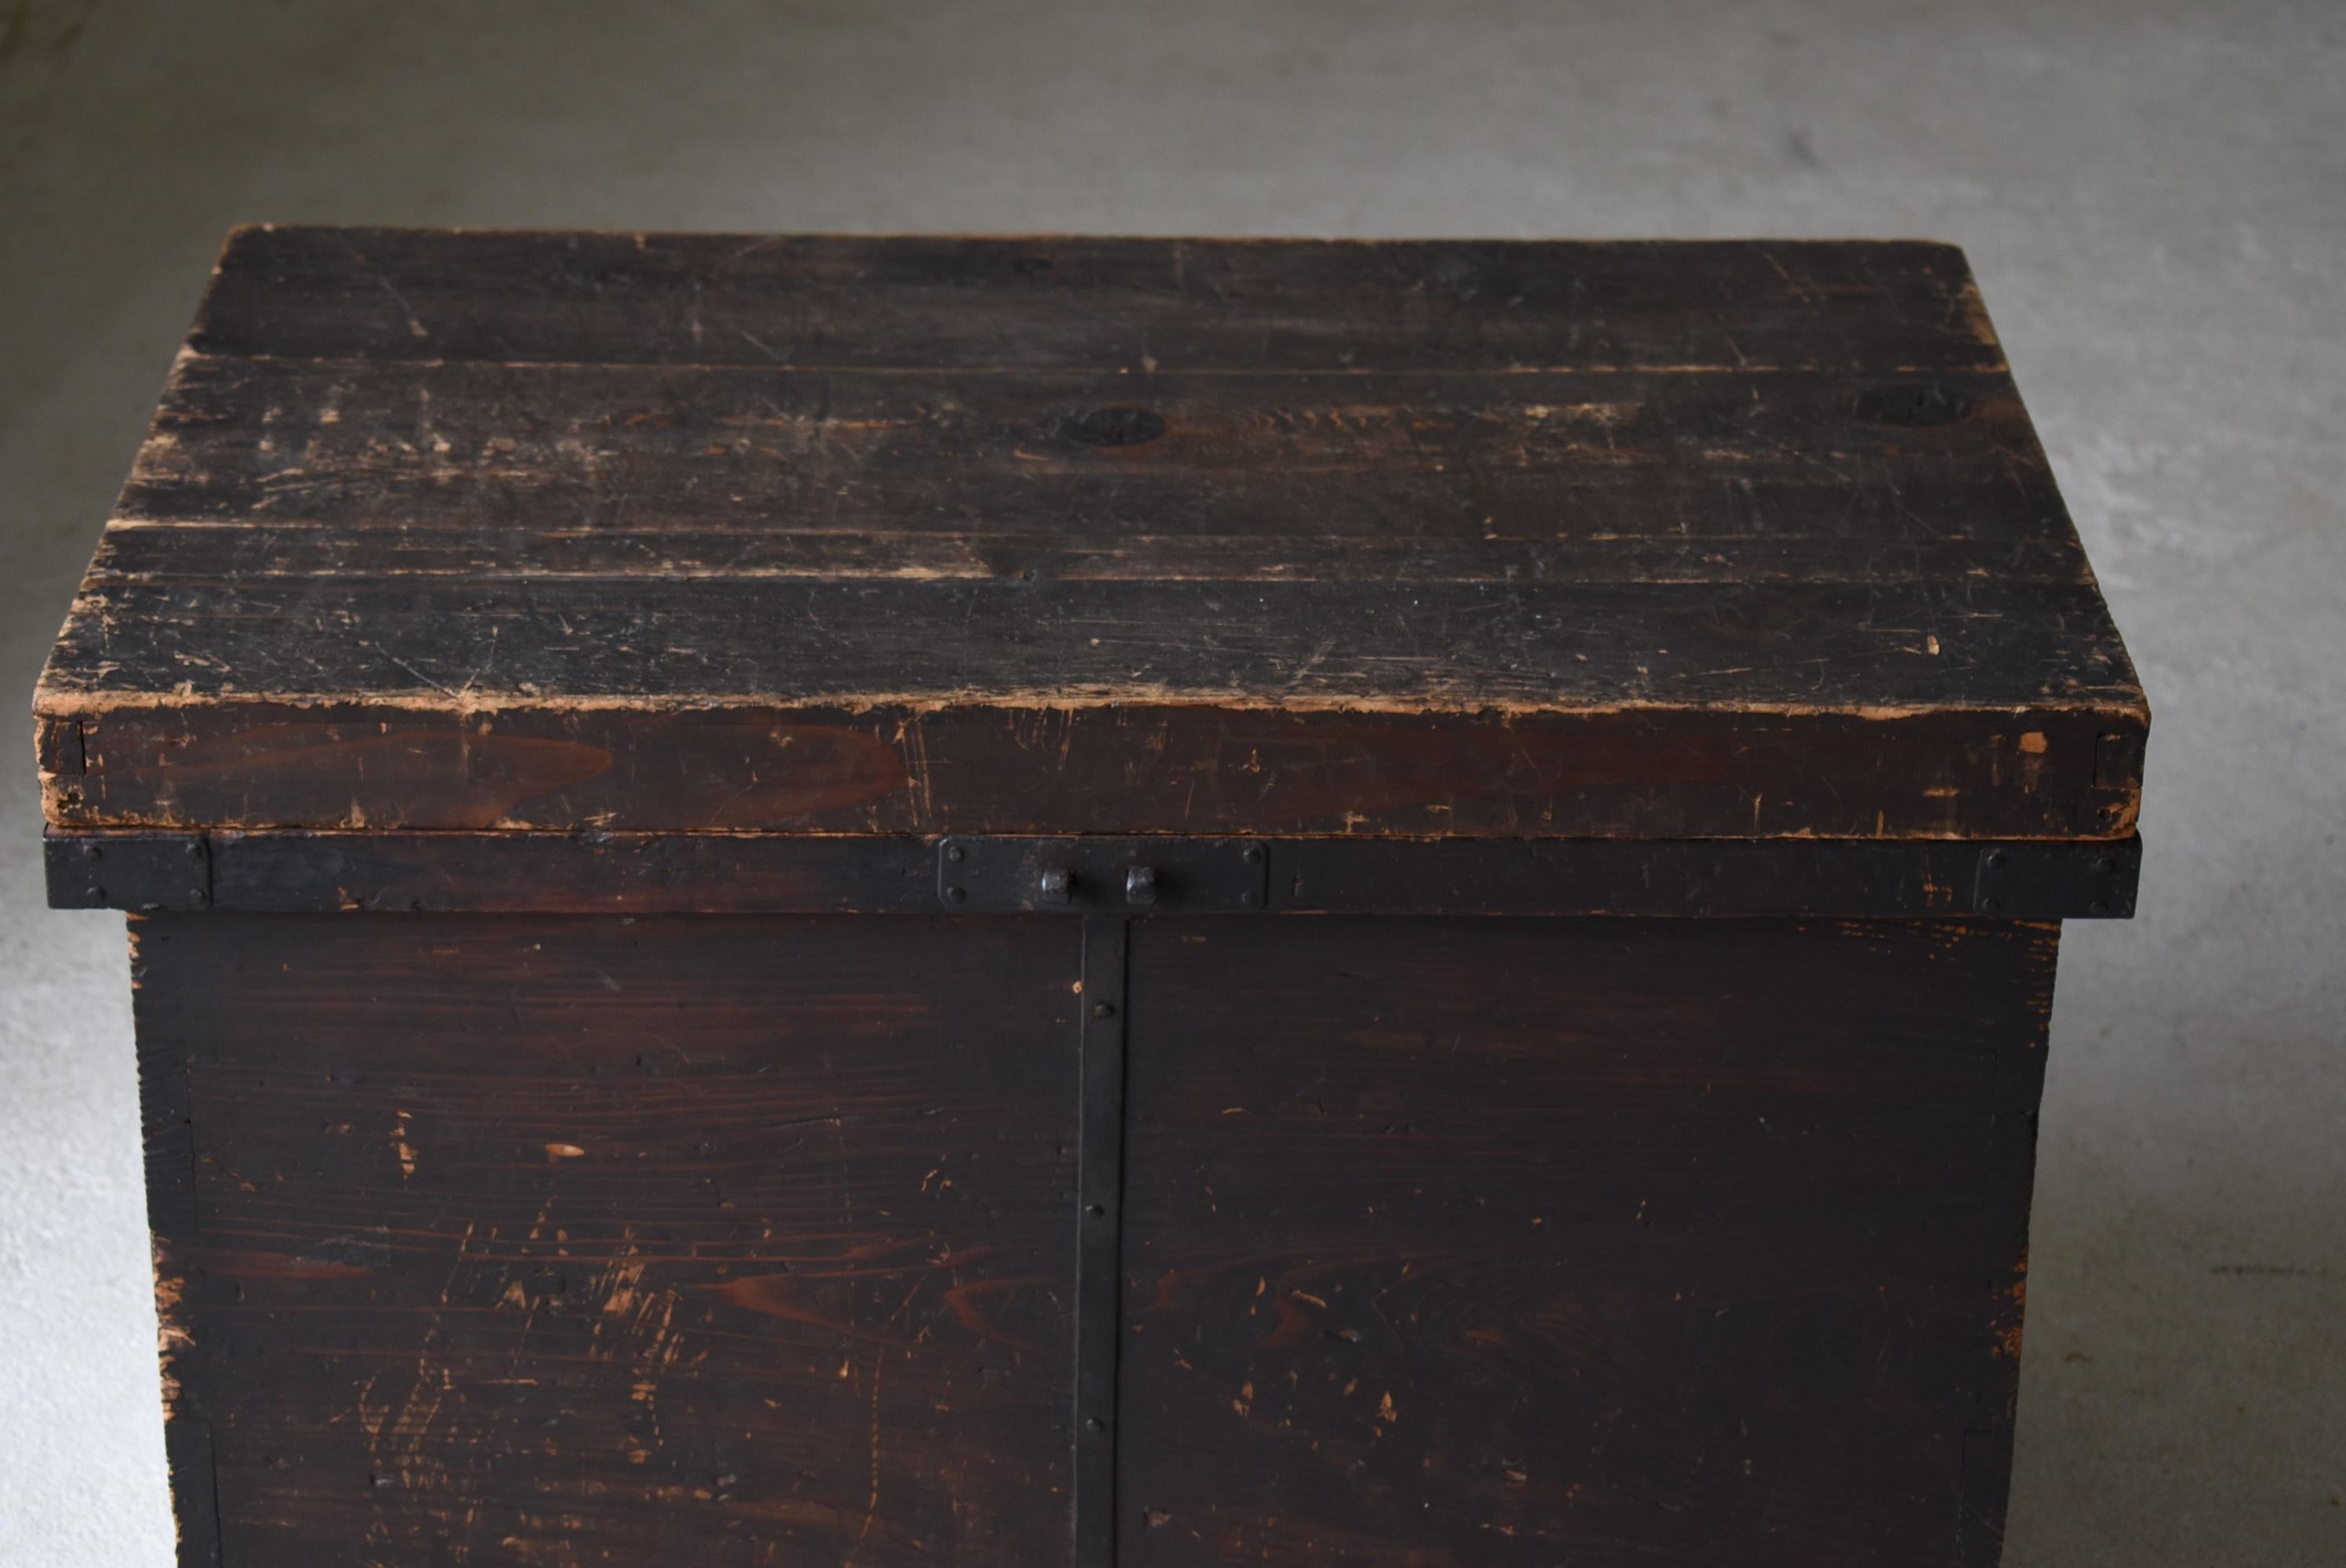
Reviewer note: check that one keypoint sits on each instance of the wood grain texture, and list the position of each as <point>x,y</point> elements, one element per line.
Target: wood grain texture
<point>1495,1243</point>
<point>381,455</point>
<point>1443,1242</point>
<point>1455,648</point>
<point>491,480</point>
<point>1105,769</point>
<point>917,303</point>
<point>527,1240</point>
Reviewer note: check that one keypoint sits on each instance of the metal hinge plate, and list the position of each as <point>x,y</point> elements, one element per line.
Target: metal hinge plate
<point>135,871</point>
<point>2056,881</point>
<point>1131,876</point>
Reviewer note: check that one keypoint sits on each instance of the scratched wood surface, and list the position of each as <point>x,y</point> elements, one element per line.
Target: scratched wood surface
<point>1457,1244</point>
<point>677,533</point>
<point>504,1240</point>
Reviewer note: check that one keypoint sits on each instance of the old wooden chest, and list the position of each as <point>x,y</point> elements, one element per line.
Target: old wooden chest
<point>1023,901</point>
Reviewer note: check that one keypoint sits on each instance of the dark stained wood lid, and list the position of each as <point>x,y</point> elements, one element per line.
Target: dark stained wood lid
<point>688,532</point>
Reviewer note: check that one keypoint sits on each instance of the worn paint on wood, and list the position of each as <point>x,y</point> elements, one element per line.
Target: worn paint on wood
<point>1637,775</point>
<point>683,533</point>
<point>487,1239</point>
<point>1453,1241</point>
<point>1607,1242</point>
<point>565,575</point>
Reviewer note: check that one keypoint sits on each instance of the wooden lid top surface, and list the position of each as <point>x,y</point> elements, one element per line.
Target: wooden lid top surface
<point>825,534</point>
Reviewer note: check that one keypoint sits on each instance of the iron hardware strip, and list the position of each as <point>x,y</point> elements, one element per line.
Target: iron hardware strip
<point>1101,875</point>
<point>1129,877</point>
<point>1099,1217</point>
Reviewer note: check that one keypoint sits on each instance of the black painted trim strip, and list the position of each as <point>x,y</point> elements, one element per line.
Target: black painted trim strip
<point>1099,1217</point>
<point>645,873</point>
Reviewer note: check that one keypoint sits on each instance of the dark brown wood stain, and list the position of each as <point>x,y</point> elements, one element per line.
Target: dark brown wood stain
<point>790,533</point>
<point>1444,1240</point>
<point>1607,1242</point>
<point>487,1239</point>
<point>1629,716</point>
<point>915,302</point>
<point>1679,773</point>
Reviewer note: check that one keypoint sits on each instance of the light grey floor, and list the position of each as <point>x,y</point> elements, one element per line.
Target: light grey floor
<point>2154,195</point>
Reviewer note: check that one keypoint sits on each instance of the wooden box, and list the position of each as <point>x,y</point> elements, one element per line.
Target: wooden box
<point>886,901</point>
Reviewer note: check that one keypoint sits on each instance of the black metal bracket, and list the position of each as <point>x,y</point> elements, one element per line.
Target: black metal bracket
<point>2017,881</point>
<point>1094,876</point>
<point>129,871</point>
